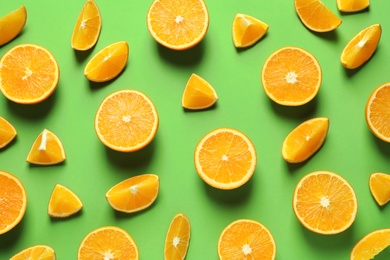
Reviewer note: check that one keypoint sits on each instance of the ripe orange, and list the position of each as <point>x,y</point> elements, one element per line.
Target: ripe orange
<point>63,202</point>
<point>178,24</point>
<point>291,76</point>
<point>87,28</point>
<point>7,132</point>
<point>225,158</point>
<point>28,74</point>
<point>37,252</point>
<point>178,238</point>
<point>12,24</point>
<point>198,94</point>
<point>13,201</point>
<point>126,121</point>
<point>371,245</point>
<point>351,6</point>
<point>247,30</point>
<point>134,194</point>
<point>379,184</point>
<point>325,203</point>
<point>246,239</point>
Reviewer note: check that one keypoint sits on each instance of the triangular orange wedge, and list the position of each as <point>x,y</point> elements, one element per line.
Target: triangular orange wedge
<point>247,30</point>
<point>379,184</point>
<point>371,245</point>
<point>178,238</point>
<point>350,6</point>
<point>37,252</point>
<point>12,24</point>
<point>7,132</point>
<point>198,94</point>
<point>63,202</point>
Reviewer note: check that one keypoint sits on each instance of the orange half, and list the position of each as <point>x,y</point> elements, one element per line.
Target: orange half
<point>379,184</point>
<point>247,30</point>
<point>37,252</point>
<point>371,245</point>
<point>198,94</point>
<point>12,24</point>
<point>177,239</point>
<point>350,6</point>
<point>7,132</point>
<point>63,202</point>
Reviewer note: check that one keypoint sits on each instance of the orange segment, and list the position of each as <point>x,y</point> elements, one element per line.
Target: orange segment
<point>134,194</point>
<point>351,6</point>
<point>305,140</point>
<point>325,203</point>
<point>225,158</point>
<point>198,94</point>
<point>291,76</point>
<point>246,239</point>
<point>87,28</point>
<point>371,245</point>
<point>37,252</point>
<point>13,201</point>
<point>247,30</point>
<point>126,121</point>
<point>379,184</point>
<point>361,47</point>
<point>108,243</point>
<point>178,24</point>
<point>63,202</point>
<point>12,24</point>
<point>178,238</point>
<point>7,132</point>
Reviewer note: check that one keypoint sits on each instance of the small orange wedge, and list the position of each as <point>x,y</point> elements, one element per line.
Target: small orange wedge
<point>178,238</point>
<point>37,252</point>
<point>12,24</point>
<point>351,6</point>
<point>247,30</point>
<point>371,245</point>
<point>7,132</point>
<point>63,202</point>
<point>379,184</point>
<point>198,94</point>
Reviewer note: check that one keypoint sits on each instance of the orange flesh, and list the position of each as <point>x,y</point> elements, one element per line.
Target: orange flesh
<point>12,24</point>
<point>63,202</point>
<point>7,132</point>
<point>39,252</point>
<point>178,238</point>
<point>247,30</point>
<point>352,5</point>
<point>380,187</point>
<point>198,94</point>
<point>371,245</point>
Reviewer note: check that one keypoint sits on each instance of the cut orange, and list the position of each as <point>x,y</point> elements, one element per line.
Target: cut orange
<point>28,74</point>
<point>379,184</point>
<point>350,6</point>
<point>247,30</point>
<point>291,76</point>
<point>63,202</point>
<point>12,24</point>
<point>198,94</point>
<point>316,16</point>
<point>87,28</point>
<point>47,149</point>
<point>126,121</point>
<point>371,245</point>
<point>134,194</point>
<point>37,252</point>
<point>361,47</point>
<point>225,158</point>
<point>246,239</point>
<point>13,201</point>
<point>325,203</point>
<point>178,24</point>
<point>178,238</point>
<point>108,243</point>
<point>7,132</point>
<point>305,140</point>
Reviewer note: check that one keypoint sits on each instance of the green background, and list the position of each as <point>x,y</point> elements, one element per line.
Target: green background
<point>91,169</point>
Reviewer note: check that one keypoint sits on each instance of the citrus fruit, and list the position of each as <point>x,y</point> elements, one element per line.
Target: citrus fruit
<point>63,202</point>
<point>350,6</point>
<point>108,62</point>
<point>134,194</point>
<point>379,184</point>
<point>13,201</point>
<point>37,252</point>
<point>225,158</point>
<point>291,76</point>
<point>12,24</point>
<point>178,238</point>
<point>87,28</point>
<point>178,24</point>
<point>198,94</point>
<point>325,203</point>
<point>126,121</point>
<point>247,30</point>
<point>361,47</point>
<point>7,132</point>
<point>305,140</point>
<point>246,239</point>
<point>108,243</point>
<point>371,245</point>
<point>47,149</point>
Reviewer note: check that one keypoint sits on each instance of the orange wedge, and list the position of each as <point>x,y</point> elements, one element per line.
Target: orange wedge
<point>350,6</point>
<point>37,252</point>
<point>325,203</point>
<point>12,24</point>
<point>63,202</point>
<point>379,184</point>
<point>371,245</point>
<point>361,47</point>
<point>305,140</point>
<point>178,24</point>
<point>246,239</point>
<point>47,149</point>
<point>178,238</point>
<point>87,28</point>
<point>316,16</point>
<point>126,121</point>
<point>247,30</point>
<point>7,132</point>
<point>291,76</point>
<point>198,94</point>
<point>28,74</point>
<point>108,243</point>
<point>225,158</point>
<point>134,194</point>
<point>13,201</point>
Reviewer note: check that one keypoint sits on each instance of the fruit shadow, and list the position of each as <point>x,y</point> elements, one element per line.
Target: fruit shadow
<point>8,146</point>
<point>10,238</point>
<point>183,58</point>
<point>382,146</point>
<point>303,111</point>
<point>186,110</point>
<point>81,56</point>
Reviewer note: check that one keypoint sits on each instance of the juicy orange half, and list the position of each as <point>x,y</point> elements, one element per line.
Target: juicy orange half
<point>247,30</point>
<point>371,245</point>
<point>177,239</point>
<point>37,252</point>
<point>350,6</point>
<point>379,184</point>
<point>12,24</point>
<point>7,132</point>
<point>63,202</point>
<point>198,94</point>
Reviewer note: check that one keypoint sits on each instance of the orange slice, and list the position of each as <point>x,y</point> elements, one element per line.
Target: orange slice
<point>126,121</point>
<point>225,158</point>
<point>247,30</point>
<point>108,243</point>
<point>7,132</point>
<point>13,201</point>
<point>12,24</point>
<point>246,239</point>
<point>87,28</point>
<point>316,16</point>
<point>37,252</point>
<point>63,202</point>
<point>350,6</point>
<point>178,238</point>
<point>305,140</point>
<point>47,149</point>
<point>325,203</point>
<point>379,184</point>
<point>134,194</point>
<point>291,76</point>
<point>371,245</point>
<point>198,94</point>
<point>361,47</point>
<point>28,74</point>
<point>178,24</point>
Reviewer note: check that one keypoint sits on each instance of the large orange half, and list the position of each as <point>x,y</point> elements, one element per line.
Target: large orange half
<point>12,24</point>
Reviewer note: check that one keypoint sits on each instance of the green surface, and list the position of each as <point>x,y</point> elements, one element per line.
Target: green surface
<point>91,169</point>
